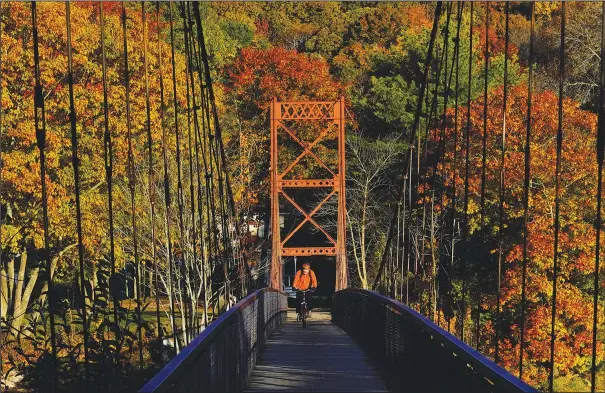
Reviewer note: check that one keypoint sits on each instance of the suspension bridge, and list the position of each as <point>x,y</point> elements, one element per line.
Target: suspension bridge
<point>226,329</point>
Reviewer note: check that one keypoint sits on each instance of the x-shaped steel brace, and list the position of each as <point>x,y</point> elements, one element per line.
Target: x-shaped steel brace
<point>307,149</point>
<point>308,217</point>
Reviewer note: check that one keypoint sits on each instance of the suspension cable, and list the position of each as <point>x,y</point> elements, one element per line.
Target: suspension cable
<point>600,155</point>
<point>447,81</point>
<point>432,114</point>
<point>455,167</point>
<point>150,173</point>
<point>412,136</point>
<point>1,206</point>
<point>557,201</point>
<point>167,199</point>
<point>76,168</point>
<point>485,104</point>
<point>40,123</point>
<point>207,158</point>
<point>189,72</point>
<point>210,207</point>
<point>441,150</point>
<point>502,184</point>
<point>221,164</point>
<point>466,166</point>
<point>440,153</point>
<point>526,190</point>
<point>132,187</point>
<point>407,284</point>
<point>179,187</point>
<point>108,158</point>
<point>483,160</point>
<point>191,99</point>
<point>198,169</point>
<point>219,138</point>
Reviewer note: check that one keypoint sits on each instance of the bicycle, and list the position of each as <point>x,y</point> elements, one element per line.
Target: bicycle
<point>303,307</point>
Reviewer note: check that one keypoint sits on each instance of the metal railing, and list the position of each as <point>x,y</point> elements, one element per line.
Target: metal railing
<point>221,358</point>
<point>415,354</point>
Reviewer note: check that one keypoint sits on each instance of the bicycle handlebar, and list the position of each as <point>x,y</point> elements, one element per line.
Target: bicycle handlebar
<point>306,290</point>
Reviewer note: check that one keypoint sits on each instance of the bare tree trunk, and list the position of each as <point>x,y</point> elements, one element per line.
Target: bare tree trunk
<point>17,293</point>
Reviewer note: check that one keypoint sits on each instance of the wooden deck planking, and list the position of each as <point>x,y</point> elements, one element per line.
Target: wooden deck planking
<point>319,358</point>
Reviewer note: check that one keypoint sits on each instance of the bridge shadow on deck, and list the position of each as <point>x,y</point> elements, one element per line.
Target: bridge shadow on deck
<point>321,357</point>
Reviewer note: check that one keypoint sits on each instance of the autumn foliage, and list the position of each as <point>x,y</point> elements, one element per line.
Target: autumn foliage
<point>577,236</point>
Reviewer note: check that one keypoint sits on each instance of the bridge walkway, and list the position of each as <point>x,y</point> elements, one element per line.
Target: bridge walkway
<point>321,357</point>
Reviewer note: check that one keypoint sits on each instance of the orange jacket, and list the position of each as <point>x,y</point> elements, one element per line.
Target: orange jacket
<point>302,281</point>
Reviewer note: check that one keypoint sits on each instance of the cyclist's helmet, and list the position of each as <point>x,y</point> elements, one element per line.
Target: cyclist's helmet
<point>306,265</point>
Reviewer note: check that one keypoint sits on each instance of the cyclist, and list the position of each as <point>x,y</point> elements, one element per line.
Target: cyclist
<point>304,279</point>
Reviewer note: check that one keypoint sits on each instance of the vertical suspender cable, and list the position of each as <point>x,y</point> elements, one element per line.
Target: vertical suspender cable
<point>191,98</point>
<point>502,183</point>
<point>191,188</point>
<point>407,283</point>
<point>167,199</point>
<point>131,186</point>
<point>150,175</point>
<point>455,164</point>
<point>441,151</point>
<point>440,143</point>
<point>198,169</point>
<point>180,188</point>
<point>557,201</point>
<point>205,142</point>
<point>221,149</point>
<point>446,87</point>
<point>108,157</point>
<point>75,164</point>
<point>412,135</point>
<point>40,121</point>
<point>227,254</point>
<point>432,112</point>
<point>189,49</point>
<point>600,155</point>
<point>397,246</point>
<point>483,157</point>
<point>1,167</point>
<point>484,145</point>
<point>466,166</point>
<point>526,190</point>
<point>1,207</point>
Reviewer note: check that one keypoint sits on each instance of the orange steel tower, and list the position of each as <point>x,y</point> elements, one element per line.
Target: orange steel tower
<point>284,116</point>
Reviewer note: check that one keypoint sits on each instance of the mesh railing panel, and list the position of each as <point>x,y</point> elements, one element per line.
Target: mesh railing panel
<point>414,354</point>
<point>222,357</point>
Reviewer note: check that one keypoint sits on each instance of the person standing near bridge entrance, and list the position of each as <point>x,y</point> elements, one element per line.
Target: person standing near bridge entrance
<point>305,279</point>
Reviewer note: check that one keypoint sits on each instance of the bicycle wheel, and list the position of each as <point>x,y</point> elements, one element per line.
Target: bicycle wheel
<point>304,315</point>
